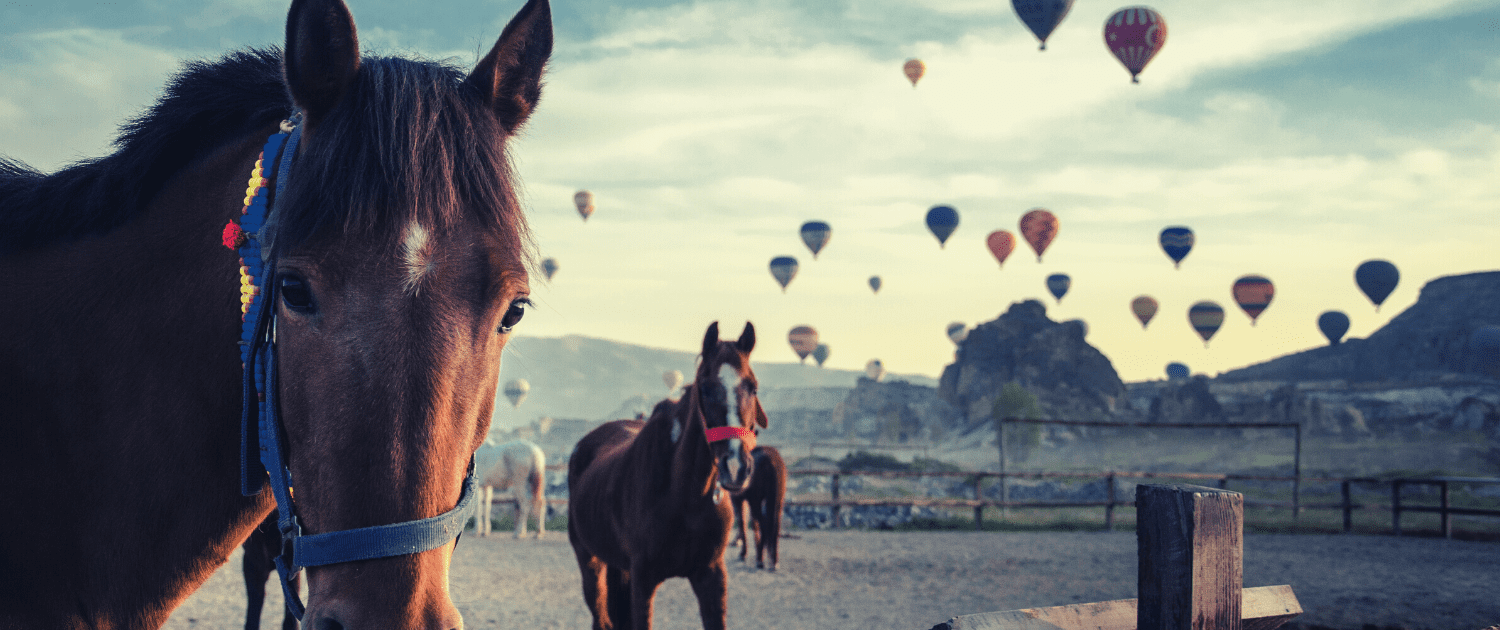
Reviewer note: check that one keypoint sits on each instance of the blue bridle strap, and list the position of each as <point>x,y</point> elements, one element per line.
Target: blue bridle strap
<point>265,443</point>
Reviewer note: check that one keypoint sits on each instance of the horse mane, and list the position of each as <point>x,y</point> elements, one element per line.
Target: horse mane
<point>431,149</point>
<point>203,107</point>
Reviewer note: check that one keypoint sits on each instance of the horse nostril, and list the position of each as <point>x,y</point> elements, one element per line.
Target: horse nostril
<point>325,623</point>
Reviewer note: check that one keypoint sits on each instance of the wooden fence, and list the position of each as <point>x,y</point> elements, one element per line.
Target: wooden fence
<point>977,480</point>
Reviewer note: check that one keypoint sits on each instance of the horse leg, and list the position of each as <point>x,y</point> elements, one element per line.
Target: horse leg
<point>739,526</point>
<point>523,512</point>
<point>256,570</point>
<point>482,518</point>
<point>757,518</point>
<point>595,590</point>
<point>711,585</point>
<point>539,508</point>
<point>771,531</point>
<point>643,599</point>
<point>618,597</point>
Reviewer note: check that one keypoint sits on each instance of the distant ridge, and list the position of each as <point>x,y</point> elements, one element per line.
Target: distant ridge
<point>588,378</point>
<point>1429,340</point>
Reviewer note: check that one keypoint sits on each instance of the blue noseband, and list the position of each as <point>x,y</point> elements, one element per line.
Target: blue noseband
<point>261,438</point>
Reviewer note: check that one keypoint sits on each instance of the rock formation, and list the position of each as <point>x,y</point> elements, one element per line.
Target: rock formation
<point>1071,379</point>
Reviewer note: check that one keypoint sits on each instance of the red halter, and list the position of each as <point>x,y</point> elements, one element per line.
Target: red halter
<point>719,434</point>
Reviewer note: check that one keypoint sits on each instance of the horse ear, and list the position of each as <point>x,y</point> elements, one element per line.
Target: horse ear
<point>711,341</point>
<point>322,55</point>
<point>510,77</point>
<point>760,416</point>
<point>747,338</point>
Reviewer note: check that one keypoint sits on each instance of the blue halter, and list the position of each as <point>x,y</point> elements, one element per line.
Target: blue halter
<point>261,438</point>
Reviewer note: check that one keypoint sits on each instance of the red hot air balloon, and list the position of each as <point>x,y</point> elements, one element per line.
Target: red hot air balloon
<point>1039,227</point>
<point>804,340</point>
<point>1144,308</point>
<point>1134,35</point>
<point>1001,244</point>
<point>1253,294</point>
<point>914,69</point>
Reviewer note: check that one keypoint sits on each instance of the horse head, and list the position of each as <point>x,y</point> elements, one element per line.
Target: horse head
<point>401,257</point>
<point>730,408</point>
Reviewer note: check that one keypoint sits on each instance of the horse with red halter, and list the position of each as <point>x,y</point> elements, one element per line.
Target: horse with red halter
<point>346,345</point>
<point>649,500</point>
<point>766,494</point>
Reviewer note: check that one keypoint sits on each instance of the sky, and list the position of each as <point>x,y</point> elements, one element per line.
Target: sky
<point>1296,139</point>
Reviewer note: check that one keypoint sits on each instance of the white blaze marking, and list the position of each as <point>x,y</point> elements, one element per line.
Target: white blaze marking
<point>416,254</point>
<point>731,379</point>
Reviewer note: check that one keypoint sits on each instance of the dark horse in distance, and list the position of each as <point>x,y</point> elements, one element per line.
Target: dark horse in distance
<point>259,564</point>
<point>401,266</point>
<point>765,495</point>
<point>649,500</point>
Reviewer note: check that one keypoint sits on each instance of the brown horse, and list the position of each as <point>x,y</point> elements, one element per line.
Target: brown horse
<point>402,260</point>
<point>649,500</point>
<point>258,564</point>
<point>766,495</point>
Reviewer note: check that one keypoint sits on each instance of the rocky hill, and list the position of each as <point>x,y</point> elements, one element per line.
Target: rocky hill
<point>1426,341</point>
<point>1070,378</point>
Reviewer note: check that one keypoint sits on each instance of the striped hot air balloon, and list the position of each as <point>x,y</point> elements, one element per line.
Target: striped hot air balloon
<point>914,69</point>
<point>1206,317</point>
<point>1253,294</point>
<point>1177,241</point>
<point>816,234</point>
<point>783,269</point>
<point>1134,35</point>
<point>804,340</point>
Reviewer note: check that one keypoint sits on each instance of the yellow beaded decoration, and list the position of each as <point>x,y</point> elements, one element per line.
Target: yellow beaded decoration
<point>248,290</point>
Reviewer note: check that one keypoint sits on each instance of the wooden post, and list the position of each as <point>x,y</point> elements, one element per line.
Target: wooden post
<point>1447,519</point>
<point>1004,480</point>
<point>1190,557</point>
<point>1349,507</point>
<point>1396,506</point>
<point>979,496</point>
<point>1297,477</point>
<point>834,512</point>
<point>1109,510</point>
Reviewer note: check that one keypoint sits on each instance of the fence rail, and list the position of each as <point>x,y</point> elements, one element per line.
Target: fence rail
<point>1444,509</point>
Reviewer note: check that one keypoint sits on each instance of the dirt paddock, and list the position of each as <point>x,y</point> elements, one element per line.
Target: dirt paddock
<point>913,580</point>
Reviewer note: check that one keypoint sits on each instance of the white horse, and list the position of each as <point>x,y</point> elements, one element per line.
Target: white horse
<point>518,465</point>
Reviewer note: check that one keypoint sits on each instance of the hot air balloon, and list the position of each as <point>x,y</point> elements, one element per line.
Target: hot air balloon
<point>1177,242</point>
<point>1042,16</point>
<point>1058,284</point>
<point>549,267</point>
<point>585,202</point>
<point>1253,294</point>
<point>958,332</point>
<point>914,69</point>
<point>672,379</point>
<point>875,284</point>
<point>820,353</point>
<point>1206,317</point>
<point>1001,244</point>
<point>1333,324</point>
<point>783,269</point>
<point>804,340</point>
<point>1039,227</point>
<point>1377,278</point>
<point>942,220</point>
<point>816,234</point>
<point>1134,35</point>
<point>1176,371</point>
<point>875,370</point>
<point>516,391</point>
<point>1144,308</point>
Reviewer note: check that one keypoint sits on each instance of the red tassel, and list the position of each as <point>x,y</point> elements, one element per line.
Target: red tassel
<point>234,236</point>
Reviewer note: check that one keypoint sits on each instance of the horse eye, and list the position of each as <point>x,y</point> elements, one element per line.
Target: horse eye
<point>296,294</point>
<point>513,315</point>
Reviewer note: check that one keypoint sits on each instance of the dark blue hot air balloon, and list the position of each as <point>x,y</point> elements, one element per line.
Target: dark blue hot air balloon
<point>1333,324</point>
<point>942,220</point>
<point>1177,241</point>
<point>1042,16</point>
<point>1377,278</point>
<point>1177,371</point>
<point>783,268</point>
<point>1058,284</point>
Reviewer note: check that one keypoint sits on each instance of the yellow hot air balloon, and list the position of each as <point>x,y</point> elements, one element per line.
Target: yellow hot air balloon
<point>516,391</point>
<point>914,69</point>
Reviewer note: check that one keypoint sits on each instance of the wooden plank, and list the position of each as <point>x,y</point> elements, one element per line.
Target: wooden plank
<point>1190,564</point>
<point>1264,608</point>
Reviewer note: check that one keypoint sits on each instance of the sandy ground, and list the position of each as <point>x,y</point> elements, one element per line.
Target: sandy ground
<point>914,580</point>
